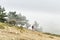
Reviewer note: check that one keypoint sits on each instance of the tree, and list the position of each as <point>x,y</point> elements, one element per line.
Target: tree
<point>37,27</point>
<point>2,14</point>
<point>12,15</point>
<point>18,17</point>
<point>36,24</point>
<point>21,20</point>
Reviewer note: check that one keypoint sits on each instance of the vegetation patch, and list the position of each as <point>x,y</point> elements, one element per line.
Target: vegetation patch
<point>9,25</point>
<point>51,37</point>
<point>52,34</point>
<point>21,28</point>
<point>2,27</point>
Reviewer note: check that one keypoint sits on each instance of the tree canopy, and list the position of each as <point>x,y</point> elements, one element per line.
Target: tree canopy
<point>2,14</point>
<point>18,18</point>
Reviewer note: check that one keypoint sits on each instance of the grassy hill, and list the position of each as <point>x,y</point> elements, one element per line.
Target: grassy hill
<point>9,32</point>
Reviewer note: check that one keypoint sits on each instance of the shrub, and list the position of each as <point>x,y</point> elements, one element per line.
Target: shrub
<point>13,22</point>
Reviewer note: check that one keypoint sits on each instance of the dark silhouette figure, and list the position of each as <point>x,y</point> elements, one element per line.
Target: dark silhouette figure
<point>32,27</point>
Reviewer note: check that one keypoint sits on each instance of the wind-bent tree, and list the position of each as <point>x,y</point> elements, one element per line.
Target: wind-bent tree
<point>21,20</point>
<point>2,14</point>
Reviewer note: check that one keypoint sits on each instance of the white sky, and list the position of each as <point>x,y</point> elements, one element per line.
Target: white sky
<point>45,12</point>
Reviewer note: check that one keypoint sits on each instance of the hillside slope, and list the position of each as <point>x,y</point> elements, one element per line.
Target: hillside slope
<point>8,32</point>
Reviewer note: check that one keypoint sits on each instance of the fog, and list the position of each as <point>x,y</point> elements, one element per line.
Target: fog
<point>45,12</point>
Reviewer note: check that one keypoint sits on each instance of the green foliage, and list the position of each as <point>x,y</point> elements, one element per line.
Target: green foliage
<point>2,14</point>
<point>21,19</point>
<point>18,17</point>
<point>2,20</point>
<point>12,15</point>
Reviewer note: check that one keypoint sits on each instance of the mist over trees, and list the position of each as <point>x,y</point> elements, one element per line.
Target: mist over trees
<point>16,19</point>
<point>21,20</point>
<point>28,25</point>
<point>36,26</point>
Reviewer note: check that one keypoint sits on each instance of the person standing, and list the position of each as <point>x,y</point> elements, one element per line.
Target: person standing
<point>32,27</point>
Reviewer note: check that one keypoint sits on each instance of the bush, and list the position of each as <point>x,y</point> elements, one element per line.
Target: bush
<point>13,22</point>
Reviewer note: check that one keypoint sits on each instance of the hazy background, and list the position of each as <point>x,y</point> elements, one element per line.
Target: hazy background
<point>45,12</point>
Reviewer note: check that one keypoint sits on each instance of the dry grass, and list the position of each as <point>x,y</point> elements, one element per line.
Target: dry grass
<point>17,33</point>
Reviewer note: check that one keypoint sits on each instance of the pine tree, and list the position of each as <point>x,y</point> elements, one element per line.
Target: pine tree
<point>2,14</point>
